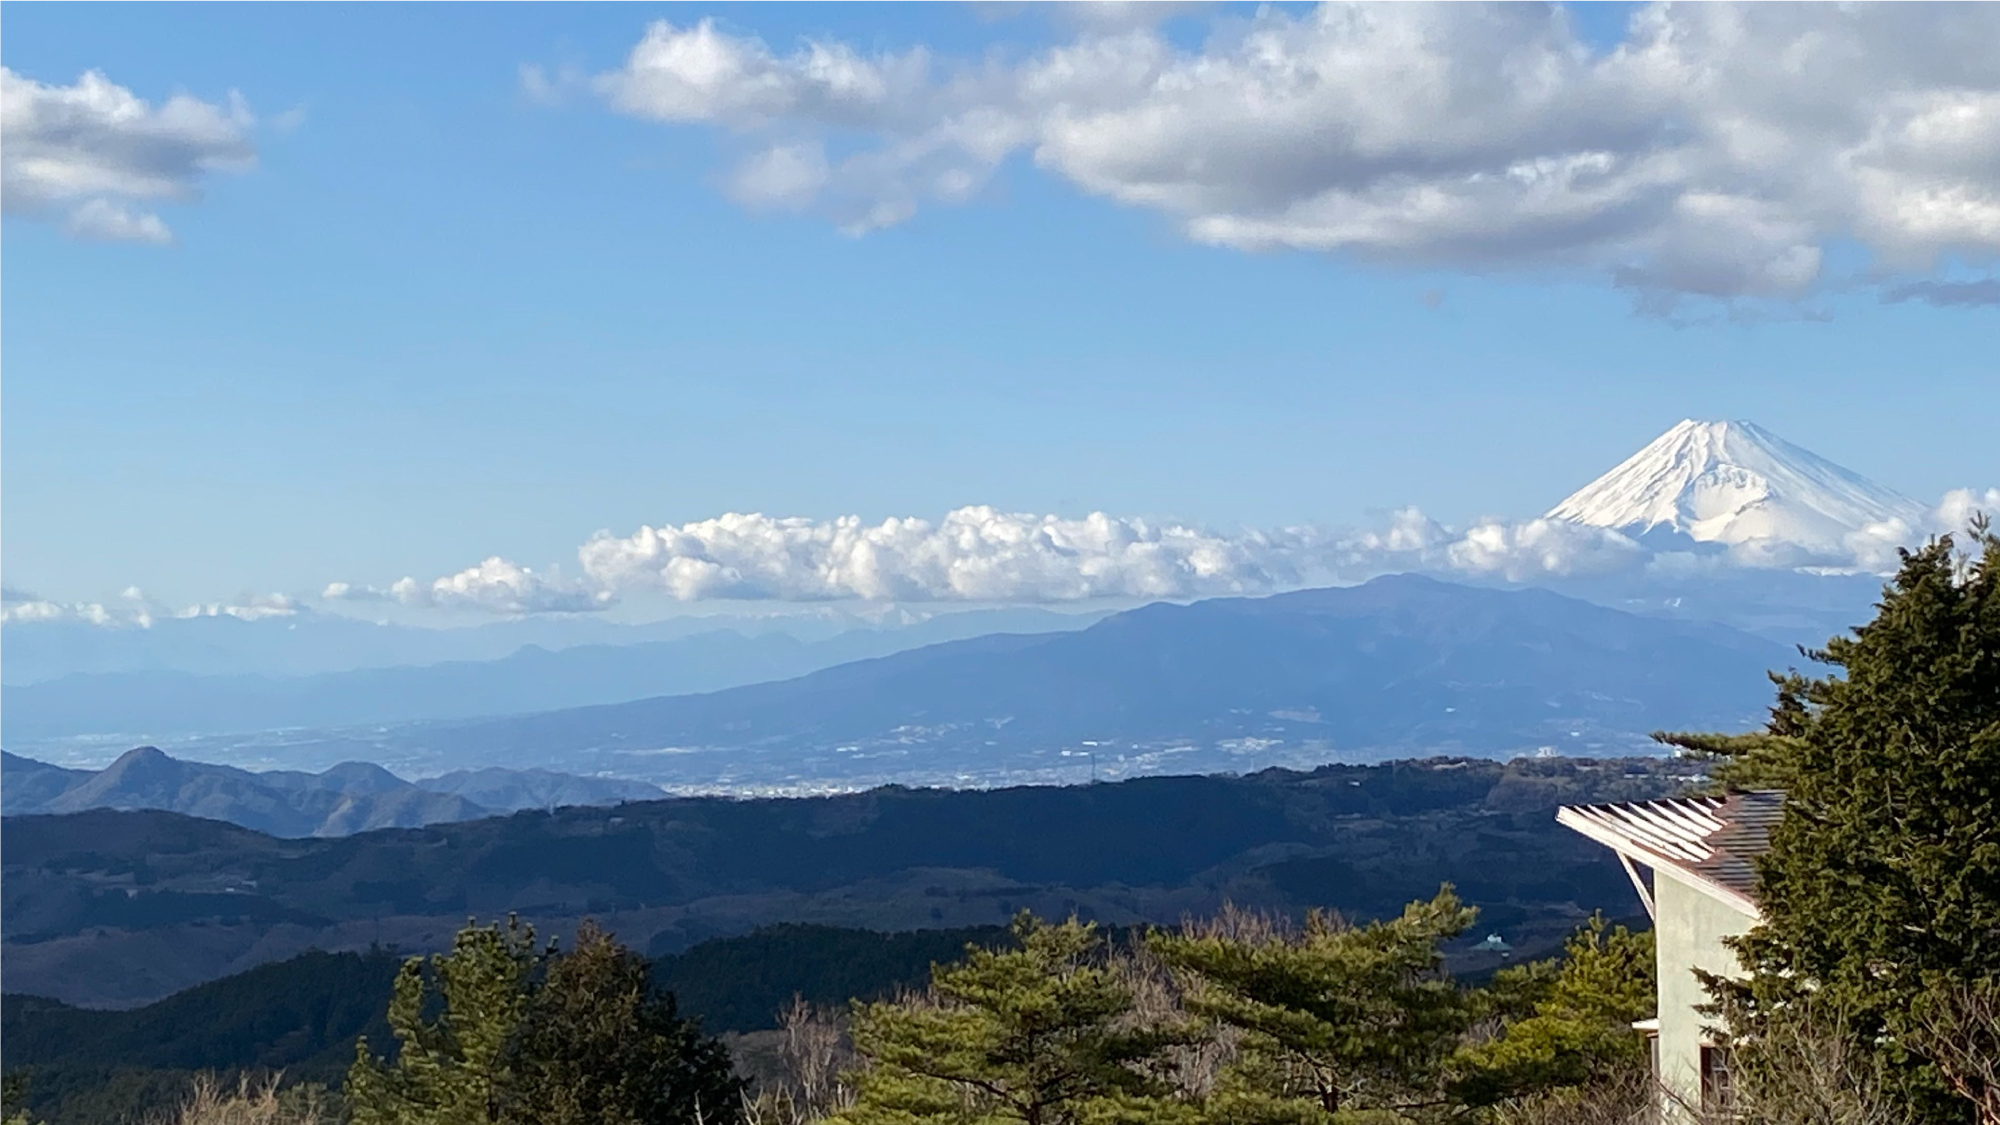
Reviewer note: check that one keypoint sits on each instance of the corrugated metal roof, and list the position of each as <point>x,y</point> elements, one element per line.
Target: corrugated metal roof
<point>1714,839</point>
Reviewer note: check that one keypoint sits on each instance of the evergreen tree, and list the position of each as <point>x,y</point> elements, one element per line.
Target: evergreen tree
<point>454,1067</point>
<point>600,1045</point>
<point>1044,1034</point>
<point>1577,1027</point>
<point>13,1098</point>
<point>1338,1018</point>
<point>1881,890</point>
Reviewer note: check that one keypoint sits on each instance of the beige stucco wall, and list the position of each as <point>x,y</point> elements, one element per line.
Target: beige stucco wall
<point>1688,930</point>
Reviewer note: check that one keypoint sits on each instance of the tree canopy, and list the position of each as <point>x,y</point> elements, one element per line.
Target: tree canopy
<point>1880,892</point>
<point>1044,1034</point>
<point>599,1045</point>
<point>1337,1017</point>
<point>454,1067</point>
<point>497,1030</point>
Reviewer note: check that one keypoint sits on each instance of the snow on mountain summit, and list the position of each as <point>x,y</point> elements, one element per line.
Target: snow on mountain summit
<point>1737,483</point>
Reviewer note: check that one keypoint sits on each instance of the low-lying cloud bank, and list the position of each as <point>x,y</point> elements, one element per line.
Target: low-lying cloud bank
<point>1718,150</point>
<point>495,585</point>
<point>982,555</point>
<point>135,609</point>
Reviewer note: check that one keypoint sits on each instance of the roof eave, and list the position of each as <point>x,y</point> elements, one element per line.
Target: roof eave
<point>1631,849</point>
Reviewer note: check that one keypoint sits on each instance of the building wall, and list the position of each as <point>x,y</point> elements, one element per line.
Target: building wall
<point>1688,929</point>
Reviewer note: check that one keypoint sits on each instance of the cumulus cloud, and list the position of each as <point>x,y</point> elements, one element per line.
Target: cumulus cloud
<point>1717,151</point>
<point>494,586</point>
<point>984,555</point>
<point>90,155</point>
<point>973,554</point>
<point>1542,548</point>
<point>1960,505</point>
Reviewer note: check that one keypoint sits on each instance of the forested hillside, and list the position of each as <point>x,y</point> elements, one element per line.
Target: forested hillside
<point>301,1015</point>
<point>122,908</point>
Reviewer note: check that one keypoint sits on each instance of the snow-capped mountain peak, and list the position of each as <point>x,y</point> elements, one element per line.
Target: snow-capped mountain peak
<point>1737,483</point>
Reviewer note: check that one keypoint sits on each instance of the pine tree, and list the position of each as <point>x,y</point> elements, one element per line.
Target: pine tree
<point>1881,890</point>
<point>1338,1018</point>
<point>600,1045</point>
<point>1044,1034</point>
<point>452,1068</point>
<point>1577,1027</point>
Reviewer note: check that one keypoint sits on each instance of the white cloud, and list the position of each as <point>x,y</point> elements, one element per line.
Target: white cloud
<point>983,555</point>
<point>494,586</point>
<point>785,176</point>
<point>973,554</point>
<point>980,554</point>
<point>101,220</point>
<point>1961,504</point>
<point>135,609</point>
<point>256,607</point>
<point>87,153</point>
<point>40,609</point>
<point>1718,151</point>
<point>1542,548</point>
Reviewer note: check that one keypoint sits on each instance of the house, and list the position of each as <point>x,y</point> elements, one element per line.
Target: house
<point>1701,854</point>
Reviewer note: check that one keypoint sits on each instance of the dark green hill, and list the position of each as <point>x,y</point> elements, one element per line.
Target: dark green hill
<point>301,1015</point>
<point>740,984</point>
<point>112,908</point>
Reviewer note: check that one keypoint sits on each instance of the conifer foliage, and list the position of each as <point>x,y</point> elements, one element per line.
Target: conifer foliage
<point>499,1031</point>
<point>1340,1017</point>
<point>1576,1029</point>
<point>453,1067</point>
<point>1045,1034</point>
<point>1245,1019</point>
<point>1881,889</point>
<point>598,1045</point>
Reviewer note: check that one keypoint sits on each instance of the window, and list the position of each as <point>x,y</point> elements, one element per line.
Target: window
<point>1716,1092</point>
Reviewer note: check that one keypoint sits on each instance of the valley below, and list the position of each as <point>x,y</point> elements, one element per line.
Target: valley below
<point>111,908</point>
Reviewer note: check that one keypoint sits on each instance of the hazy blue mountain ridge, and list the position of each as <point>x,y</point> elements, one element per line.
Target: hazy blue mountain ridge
<point>350,797</point>
<point>1398,666</point>
<point>152,703</point>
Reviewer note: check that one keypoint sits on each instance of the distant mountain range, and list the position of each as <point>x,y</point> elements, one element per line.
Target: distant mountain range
<point>150,705</point>
<point>288,688</point>
<point>305,642</point>
<point>1399,666</point>
<point>350,797</point>
<point>119,908</point>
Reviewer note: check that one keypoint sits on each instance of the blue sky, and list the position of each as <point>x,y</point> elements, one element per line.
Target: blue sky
<point>443,318</point>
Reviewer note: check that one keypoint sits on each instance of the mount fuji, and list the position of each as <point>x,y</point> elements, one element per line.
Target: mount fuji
<point>1737,485</point>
